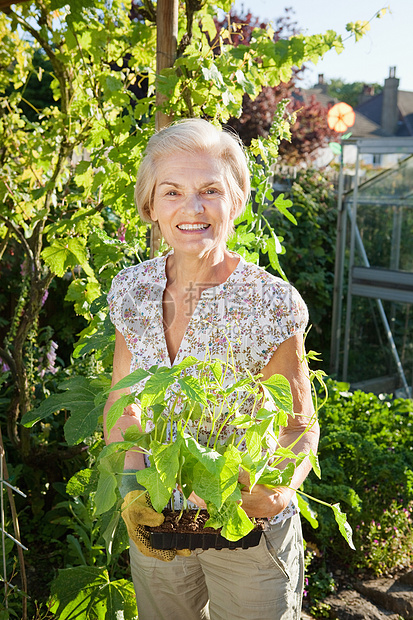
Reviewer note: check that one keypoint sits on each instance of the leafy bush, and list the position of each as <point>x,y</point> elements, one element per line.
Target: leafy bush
<point>318,584</point>
<point>387,544</point>
<point>366,459</point>
<point>309,256</point>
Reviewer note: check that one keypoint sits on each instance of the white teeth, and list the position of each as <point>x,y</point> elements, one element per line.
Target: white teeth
<point>192,226</point>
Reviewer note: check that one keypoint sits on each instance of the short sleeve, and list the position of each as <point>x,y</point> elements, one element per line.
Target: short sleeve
<point>115,297</point>
<point>286,311</point>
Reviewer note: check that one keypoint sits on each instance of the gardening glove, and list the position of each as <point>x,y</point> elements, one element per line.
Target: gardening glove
<point>137,512</point>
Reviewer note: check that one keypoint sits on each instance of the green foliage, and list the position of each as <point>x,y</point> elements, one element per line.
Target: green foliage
<point>308,261</point>
<point>350,92</point>
<point>211,470</point>
<point>319,583</point>
<point>367,463</point>
<point>83,397</point>
<point>386,544</point>
<point>89,593</point>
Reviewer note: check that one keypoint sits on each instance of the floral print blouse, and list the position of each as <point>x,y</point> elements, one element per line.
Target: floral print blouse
<point>253,312</point>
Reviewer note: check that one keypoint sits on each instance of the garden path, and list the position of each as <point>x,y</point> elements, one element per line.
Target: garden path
<point>375,599</point>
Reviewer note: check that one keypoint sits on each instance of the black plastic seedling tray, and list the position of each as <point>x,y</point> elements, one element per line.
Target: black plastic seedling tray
<point>192,540</point>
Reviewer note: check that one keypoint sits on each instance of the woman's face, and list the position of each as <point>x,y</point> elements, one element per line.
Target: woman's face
<point>192,204</point>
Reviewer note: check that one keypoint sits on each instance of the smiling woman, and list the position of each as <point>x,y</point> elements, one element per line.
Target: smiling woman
<point>204,301</point>
<point>194,209</point>
<point>194,137</point>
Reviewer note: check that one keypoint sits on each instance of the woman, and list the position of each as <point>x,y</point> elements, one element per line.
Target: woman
<point>194,182</point>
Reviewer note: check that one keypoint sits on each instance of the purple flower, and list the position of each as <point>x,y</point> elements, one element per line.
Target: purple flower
<point>45,296</point>
<point>120,233</point>
<point>51,360</point>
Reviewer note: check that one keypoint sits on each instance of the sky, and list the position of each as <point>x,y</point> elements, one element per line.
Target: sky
<point>389,43</point>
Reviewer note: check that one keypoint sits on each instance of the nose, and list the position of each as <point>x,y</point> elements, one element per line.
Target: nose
<point>193,203</point>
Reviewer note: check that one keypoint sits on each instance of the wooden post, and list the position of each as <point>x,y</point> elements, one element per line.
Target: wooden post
<point>166,44</point>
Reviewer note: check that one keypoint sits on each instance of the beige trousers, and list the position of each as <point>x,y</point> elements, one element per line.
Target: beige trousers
<point>260,583</point>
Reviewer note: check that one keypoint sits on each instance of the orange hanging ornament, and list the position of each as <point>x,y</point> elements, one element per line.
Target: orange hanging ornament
<point>340,117</point>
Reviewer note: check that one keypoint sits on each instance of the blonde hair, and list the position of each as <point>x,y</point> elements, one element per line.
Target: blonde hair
<point>193,136</point>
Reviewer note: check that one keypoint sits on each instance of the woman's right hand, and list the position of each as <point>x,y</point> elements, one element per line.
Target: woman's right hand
<point>195,499</point>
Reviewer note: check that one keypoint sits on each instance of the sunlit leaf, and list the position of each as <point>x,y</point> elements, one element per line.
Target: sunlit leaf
<point>278,388</point>
<point>307,511</point>
<point>343,525</point>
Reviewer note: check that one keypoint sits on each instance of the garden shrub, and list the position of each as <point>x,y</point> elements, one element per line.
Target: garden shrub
<point>309,256</point>
<point>366,459</point>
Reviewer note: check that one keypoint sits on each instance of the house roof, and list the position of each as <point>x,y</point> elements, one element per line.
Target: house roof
<point>368,116</point>
<point>320,93</point>
<point>405,103</point>
<point>369,112</point>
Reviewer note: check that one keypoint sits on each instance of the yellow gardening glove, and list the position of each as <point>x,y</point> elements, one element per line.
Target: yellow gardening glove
<point>137,511</point>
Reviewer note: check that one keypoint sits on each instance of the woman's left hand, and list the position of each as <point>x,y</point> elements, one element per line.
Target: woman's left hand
<point>262,501</point>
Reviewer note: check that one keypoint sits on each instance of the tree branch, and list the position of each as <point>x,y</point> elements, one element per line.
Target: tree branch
<point>58,66</point>
<point>147,11</point>
<point>11,225</point>
<point>4,243</point>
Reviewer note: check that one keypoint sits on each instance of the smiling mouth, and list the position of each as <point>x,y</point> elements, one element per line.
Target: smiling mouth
<point>193,226</point>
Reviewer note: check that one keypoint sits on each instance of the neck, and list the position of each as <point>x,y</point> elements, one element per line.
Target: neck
<point>203,271</point>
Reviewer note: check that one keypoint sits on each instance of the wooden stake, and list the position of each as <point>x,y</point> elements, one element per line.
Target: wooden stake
<point>166,44</point>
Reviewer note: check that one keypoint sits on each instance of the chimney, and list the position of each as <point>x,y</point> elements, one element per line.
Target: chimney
<point>321,84</point>
<point>390,110</point>
<point>368,93</point>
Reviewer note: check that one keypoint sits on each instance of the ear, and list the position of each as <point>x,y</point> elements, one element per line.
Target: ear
<point>152,215</point>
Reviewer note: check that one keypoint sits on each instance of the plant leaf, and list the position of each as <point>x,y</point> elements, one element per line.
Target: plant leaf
<point>165,457</point>
<point>193,389</point>
<point>210,459</point>
<point>117,409</point>
<point>307,511</point>
<point>232,518</point>
<point>276,477</point>
<point>109,467</point>
<point>313,458</point>
<point>254,438</point>
<point>343,525</point>
<point>109,533</point>
<point>159,493</point>
<point>156,386</point>
<point>86,592</point>
<point>218,488</point>
<point>132,379</point>
<point>83,398</point>
<point>82,482</point>
<point>186,363</point>
<point>279,390</point>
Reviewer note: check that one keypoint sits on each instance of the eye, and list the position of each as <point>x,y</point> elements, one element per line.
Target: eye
<point>211,191</point>
<point>172,192</point>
